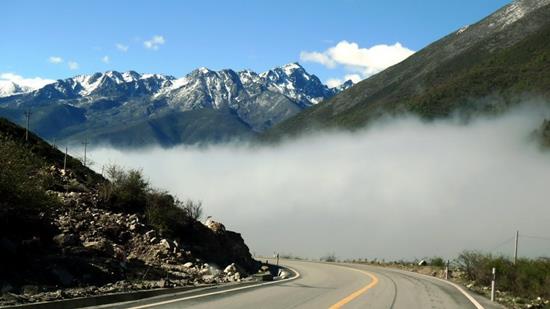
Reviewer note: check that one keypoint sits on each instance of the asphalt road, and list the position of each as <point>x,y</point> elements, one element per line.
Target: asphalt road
<point>337,286</point>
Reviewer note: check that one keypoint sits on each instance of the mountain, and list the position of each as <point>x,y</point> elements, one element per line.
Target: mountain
<point>132,109</point>
<point>480,68</point>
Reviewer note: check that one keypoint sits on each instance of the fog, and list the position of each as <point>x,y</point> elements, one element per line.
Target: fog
<point>402,188</point>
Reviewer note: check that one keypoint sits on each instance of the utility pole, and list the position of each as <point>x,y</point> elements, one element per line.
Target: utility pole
<point>493,284</point>
<point>65,160</point>
<point>85,143</point>
<point>28,114</point>
<point>65,170</point>
<point>516,248</point>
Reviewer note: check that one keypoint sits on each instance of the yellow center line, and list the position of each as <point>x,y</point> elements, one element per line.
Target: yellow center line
<point>357,293</point>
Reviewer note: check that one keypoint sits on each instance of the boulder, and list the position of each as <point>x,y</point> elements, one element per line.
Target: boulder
<point>188,265</point>
<point>165,243</point>
<point>215,226</point>
<point>208,278</point>
<point>100,245</point>
<point>230,269</point>
<point>63,240</point>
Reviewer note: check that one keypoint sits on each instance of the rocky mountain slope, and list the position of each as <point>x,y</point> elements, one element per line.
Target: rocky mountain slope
<point>71,232</point>
<point>481,68</point>
<point>131,109</point>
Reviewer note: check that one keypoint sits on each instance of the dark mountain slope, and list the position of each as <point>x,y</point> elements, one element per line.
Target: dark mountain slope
<point>70,233</point>
<point>481,68</point>
<point>192,127</point>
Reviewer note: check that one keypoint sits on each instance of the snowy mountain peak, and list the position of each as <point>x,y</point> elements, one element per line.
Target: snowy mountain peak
<point>204,70</point>
<point>292,67</point>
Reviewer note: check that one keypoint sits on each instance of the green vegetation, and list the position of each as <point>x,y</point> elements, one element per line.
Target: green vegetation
<point>22,188</point>
<point>330,257</point>
<point>42,154</point>
<point>437,261</point>
<point>128,191</point>
<point>527,278</point>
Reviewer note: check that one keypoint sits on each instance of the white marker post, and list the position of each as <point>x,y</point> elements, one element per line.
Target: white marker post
<point>447,270</point>
<point>493,285</point>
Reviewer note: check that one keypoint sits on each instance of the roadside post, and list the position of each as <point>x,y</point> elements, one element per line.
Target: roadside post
<point>493,285</point>
<point>447,270</point>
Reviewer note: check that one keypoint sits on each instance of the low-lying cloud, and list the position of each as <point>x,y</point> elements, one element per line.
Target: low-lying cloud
<point>401,189</point>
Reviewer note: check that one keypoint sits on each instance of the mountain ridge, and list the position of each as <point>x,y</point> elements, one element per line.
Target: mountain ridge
<point>481,67</point>
<point>233,104</point>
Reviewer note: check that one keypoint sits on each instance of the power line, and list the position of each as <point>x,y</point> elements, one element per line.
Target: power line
<point>536,237</point>
<point>502,243</point>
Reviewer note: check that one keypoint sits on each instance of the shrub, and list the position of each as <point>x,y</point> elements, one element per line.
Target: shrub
<point>163,214</point>
<point>527,278</point>
<point>331,257</point>
<point>191,208</point>
<point>127,190</point>
<point>437,261</point>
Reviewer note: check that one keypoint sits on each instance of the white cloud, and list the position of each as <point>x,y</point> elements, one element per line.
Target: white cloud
<point>32,83</point>
<point>55,59</point>
<point>366,61</point>
<point>105,59</point>
<point>121,47</point>
<point>335,82</point>
<point>73,65</point>
<point>318,57</point>
<point>155,42</point>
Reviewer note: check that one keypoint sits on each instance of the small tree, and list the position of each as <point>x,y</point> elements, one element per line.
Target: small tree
<point>127,190</point>
<point>192,209</point>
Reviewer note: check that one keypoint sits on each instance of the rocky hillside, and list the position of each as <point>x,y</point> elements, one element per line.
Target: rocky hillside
<point>68,233</point>
<point>131,109</point>
<point>480,68</point>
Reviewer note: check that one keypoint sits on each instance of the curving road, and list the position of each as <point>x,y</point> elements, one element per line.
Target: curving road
<point>335,286</point>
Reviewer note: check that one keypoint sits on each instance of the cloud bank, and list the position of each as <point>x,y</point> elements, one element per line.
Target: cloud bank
<point>400,189</point>
<point>365,61</point>
<point>31,83</point>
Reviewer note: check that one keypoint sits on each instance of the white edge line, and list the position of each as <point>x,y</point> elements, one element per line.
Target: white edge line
<point>458,287</point>
<point>219,292</point>
<point>470,297</point>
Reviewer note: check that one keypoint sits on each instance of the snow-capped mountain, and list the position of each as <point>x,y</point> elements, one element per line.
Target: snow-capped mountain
<point>102,101</point>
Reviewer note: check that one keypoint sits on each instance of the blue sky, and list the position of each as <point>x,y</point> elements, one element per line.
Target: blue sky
<point>82,35</point>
